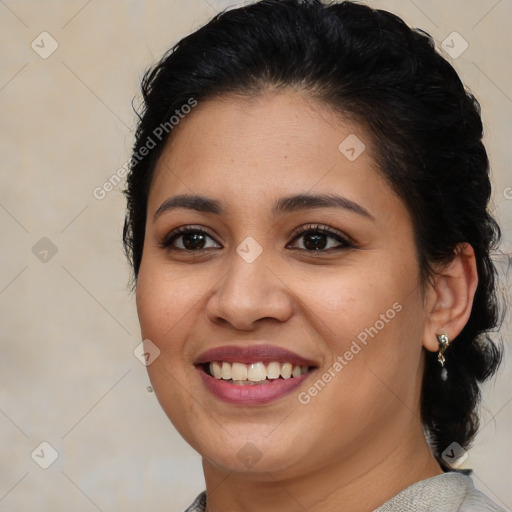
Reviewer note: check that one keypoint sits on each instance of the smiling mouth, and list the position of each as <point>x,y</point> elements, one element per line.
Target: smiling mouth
<point>254,373</point>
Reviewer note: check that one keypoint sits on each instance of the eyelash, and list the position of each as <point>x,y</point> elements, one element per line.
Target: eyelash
<point>167,242</point>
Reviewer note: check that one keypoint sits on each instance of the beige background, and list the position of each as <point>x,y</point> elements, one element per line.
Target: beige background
<point>68,326</point>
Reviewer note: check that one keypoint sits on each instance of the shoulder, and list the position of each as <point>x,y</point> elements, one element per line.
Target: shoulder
<point>477,500</point>
<point>449,492</point>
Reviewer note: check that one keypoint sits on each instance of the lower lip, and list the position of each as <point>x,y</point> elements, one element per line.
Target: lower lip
<point>255,394</point>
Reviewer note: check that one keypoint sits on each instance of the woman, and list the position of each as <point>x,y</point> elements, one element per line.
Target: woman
<point>308,227</point>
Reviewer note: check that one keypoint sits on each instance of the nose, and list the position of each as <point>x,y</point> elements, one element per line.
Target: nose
<point>248,294</point>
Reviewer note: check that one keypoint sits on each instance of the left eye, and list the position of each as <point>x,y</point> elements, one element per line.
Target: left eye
<point>316,239</point>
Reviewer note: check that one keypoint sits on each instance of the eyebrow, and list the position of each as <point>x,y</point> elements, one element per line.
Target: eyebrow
<point>283,205</point>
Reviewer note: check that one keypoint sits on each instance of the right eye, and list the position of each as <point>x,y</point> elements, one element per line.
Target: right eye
<point>191,239</point>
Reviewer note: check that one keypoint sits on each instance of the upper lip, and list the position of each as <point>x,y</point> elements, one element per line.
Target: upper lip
<point>252,354</point>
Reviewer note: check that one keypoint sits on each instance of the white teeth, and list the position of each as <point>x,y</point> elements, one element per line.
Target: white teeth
<point>255,372</point>
<point>226,371</point>
<point>239,371</point>
<point>286,370</point>
<point>215,370</point>
<point>273,370</point>
<point>297,371</point>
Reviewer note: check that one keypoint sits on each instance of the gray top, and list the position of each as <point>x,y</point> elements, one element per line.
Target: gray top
<point>449,492</point>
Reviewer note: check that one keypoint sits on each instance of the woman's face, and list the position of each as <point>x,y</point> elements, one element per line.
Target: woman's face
<point>338,304</point>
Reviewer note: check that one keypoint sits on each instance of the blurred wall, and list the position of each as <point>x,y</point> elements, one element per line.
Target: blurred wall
<point>68,328</point>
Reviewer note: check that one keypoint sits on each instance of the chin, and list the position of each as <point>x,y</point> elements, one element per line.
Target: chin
<point>251,459</point>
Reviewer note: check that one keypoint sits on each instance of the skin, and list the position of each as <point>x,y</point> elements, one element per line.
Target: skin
<point>360,440</point>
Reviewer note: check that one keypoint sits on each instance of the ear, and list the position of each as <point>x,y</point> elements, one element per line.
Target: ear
<point>450,297</point>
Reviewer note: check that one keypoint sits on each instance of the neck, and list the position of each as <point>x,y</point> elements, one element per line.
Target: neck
<point>357,481</point>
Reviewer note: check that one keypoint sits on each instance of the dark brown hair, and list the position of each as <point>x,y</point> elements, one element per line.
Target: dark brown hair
<point>425,126</point>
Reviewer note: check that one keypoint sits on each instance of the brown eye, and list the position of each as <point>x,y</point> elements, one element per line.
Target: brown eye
<point>187,239</point>
<point>316,238</point>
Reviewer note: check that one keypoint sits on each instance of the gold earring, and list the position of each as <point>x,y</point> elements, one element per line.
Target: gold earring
<point>444,342</point>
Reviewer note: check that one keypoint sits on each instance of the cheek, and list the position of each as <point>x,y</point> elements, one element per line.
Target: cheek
<point>358,301</point>
<point>371,320</point>
<point>165,306</point>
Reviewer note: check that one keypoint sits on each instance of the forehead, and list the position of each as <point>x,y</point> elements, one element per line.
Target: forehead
<point>254,149</point>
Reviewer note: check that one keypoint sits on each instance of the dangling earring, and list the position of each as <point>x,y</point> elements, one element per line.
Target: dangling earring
<point>444,342</point>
